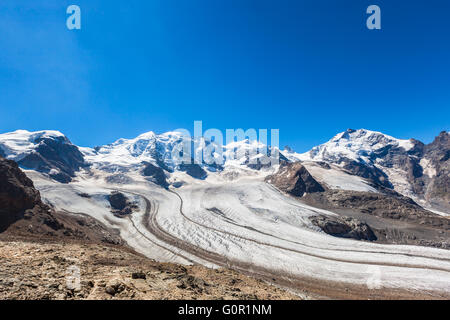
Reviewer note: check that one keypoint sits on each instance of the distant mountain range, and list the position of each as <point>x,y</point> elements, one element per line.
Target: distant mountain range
<point>409,167</point>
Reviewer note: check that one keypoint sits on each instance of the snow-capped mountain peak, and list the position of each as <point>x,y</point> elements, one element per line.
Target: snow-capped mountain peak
<point>17,144</point>
<point>356,145</point>
<point>148,147</point>
<point>47,151</point>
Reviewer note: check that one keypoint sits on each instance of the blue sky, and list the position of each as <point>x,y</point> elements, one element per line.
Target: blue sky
<point>308,68</point>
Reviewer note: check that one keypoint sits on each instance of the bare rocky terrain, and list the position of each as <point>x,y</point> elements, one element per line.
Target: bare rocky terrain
<point>49,270</point>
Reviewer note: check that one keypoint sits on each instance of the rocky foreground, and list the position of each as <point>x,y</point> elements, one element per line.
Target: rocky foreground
<point>49,270</point>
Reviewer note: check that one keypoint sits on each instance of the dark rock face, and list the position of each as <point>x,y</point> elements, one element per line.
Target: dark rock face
<point>17,193</point>
<point>155,174</point>
<point>56,156</point>
<point>194,170</point>
<point>437,190</point>
<point>118,200</point>
<point>425,167</point>
<point>19,200</point>
<point>371,173</point>
<point>389,205</point>
<point>294,179</point>
<point>24,215</point>
<point>434,188</point>
<point>344,227</point>
<point>265,161</point>
<point>120,204</point>
<point>119,178</point>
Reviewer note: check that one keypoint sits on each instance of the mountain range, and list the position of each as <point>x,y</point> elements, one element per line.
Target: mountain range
<point>409,167</point>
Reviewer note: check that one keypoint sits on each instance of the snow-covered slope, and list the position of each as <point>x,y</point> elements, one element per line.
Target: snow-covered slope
<point>52,153</point>
<point>336,178</point>
<point>129,153</point>
<point>359,145</point>
<point>161,150</point>
<point>382,159</point>
<point>49,152</point>
<point>18,144</point>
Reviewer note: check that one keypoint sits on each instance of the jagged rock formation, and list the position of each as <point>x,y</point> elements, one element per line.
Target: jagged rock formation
<point>194,170</point>
<point>49,152</point>
<point>391,206</point>
<point>344,227</point>
<point>17,193</point>
<point>57,157</point>
<point>408,166</point>
<point>120,204</point>
<point>155,174</point>
<point>371,173</point>
<point>437,153</point>
<point>23,214</point>
<point>119,178</point>
<point>294,179</point>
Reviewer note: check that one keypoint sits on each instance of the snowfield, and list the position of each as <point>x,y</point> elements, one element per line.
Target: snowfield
<point>18,144</point>
<point>336,178</point>
<point>355,145</point>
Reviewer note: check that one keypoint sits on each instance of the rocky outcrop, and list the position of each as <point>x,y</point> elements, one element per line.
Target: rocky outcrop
<point>17,193</point>
<point>23,214</point>
<point>294,179</point>
<point>344,227</point>
<point>55,156</point>
<point>408,166</point>
<point>119,178</point>
<point>120,204</point>
<point>371,173</point>
<point>155,174</point>
<point>426,167</point>
<point>386,205</point>
<point>194,170</point>
<point>264,161</point>
<point>437,190</point>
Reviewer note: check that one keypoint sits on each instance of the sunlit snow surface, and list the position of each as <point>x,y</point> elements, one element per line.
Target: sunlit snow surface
<point>16,145</point>
<point>248,221</point>
<point>356,145</point>
<point>336,178</point>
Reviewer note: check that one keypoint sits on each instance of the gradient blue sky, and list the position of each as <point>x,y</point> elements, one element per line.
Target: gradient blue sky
<point>308,68</point>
